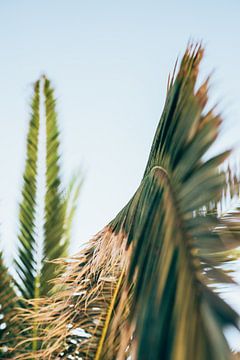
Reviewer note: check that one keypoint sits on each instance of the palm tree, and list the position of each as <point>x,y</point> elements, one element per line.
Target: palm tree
<point>34,266</point>
<point>145,286</point>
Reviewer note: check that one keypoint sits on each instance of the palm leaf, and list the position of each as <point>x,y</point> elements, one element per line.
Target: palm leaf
<point>174,314</point>
<point>26,264</point>
<point>55,245</point>
<point>58,212</point>
<point>36,268</point>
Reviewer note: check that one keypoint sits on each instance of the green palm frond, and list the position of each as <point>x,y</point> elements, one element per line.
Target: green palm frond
<point>26,264</point>
<point>143,287</point>
<point>173,312</point>
<point>9,329</point>
<point>34,263</point>
<point>35,280</point>
<point>175,315</point>
<point>55,245</point>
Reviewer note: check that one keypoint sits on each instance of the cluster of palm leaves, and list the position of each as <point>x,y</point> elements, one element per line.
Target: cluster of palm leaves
<point>33,266</point>
<point>147,285</point>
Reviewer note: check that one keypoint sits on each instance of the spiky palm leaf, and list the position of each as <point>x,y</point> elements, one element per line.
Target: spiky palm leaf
<point>174,315</point>
<point>55,244</point>
<point>141,286</point>
<point>34,267</point>
<point>58,205</point>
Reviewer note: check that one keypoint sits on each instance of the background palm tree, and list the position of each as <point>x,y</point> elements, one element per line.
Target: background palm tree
<point>33,262</point>
<point>142,288</point>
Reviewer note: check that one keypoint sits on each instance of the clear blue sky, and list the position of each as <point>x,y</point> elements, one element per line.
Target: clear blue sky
<point>109,62</point>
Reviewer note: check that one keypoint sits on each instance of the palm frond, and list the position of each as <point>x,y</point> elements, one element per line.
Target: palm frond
<point>174,314</point>
<point>35,267</point>
<point>58,216</point>
<point>55,246</point>
<point>26,265</point>
<point>87,288</point>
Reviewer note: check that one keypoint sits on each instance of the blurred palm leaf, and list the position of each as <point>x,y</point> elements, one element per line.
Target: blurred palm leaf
<point>55,244</point>
<point>140,288</point>
<point>37,281</point>
<point>34,266</point>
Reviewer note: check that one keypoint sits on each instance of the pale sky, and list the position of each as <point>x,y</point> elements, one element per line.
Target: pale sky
<point>109,62</point>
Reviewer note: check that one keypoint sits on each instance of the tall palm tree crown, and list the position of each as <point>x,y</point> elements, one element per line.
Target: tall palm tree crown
<point>143,287</point>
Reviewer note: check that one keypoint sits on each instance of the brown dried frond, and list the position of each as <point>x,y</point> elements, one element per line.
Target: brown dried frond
<point>71,320</point>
